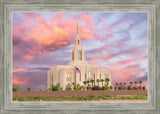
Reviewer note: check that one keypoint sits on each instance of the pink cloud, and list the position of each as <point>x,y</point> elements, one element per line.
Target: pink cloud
<point>17,81</point>
<point>87,18</point>
<point>19,70</point>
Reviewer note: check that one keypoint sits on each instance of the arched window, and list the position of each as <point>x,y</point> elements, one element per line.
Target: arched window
<point>78,42</point>
<point>106,76</point>
<point>68,78</point>
<point>89,75</point>
<point>73,56</point>
<point>80,55</point>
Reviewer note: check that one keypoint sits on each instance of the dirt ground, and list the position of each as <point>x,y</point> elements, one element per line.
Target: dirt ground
<point>77,93</point>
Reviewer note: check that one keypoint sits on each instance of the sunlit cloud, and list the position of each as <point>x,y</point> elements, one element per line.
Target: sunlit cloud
<point>115,41</point>
<point>19,70</point>
<point>20,82</point>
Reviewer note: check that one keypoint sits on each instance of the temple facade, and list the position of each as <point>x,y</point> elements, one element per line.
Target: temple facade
<point>67,74</point>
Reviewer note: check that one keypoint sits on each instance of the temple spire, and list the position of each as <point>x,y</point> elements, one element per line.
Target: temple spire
<point>77,26</point>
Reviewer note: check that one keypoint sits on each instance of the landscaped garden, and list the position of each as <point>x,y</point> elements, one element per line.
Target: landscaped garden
<point>89,91</point>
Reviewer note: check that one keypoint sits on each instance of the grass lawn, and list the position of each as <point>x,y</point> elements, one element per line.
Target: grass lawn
<point>83,98</point>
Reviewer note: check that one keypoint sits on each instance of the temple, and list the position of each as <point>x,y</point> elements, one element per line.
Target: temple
<point>78,70</point>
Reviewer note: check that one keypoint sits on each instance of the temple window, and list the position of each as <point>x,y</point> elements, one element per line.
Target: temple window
<point>80,55</point>
<point>106,76</point>
<point>89,76</point>
<point>68,78</point>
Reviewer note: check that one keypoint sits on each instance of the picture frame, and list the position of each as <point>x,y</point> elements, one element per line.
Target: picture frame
<point>7,7</point>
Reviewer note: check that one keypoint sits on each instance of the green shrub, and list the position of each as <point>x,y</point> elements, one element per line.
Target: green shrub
<point>84,98</point>
<point>106,87</point>
<point>17,88</point>
<point>28,89</point>
<point>96,98</point>
<point>110,87</point>
<point>102,96</point>
<point>96,88</point>
<point>55,87</point>
<point>144,88</point>
<point>78,87</point>
<point>129,87</point>
<point>68,87</point>
<point>21,99</point>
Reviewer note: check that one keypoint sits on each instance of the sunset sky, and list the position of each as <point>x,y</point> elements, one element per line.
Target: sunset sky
<point>115,41</point>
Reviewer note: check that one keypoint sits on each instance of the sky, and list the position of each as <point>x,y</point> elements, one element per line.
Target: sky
<point>43,40</point>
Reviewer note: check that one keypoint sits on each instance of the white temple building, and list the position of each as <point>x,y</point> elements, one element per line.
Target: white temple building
<point>67,74</point>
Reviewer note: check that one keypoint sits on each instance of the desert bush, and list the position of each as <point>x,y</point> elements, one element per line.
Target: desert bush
<point>28,89</point>
<point>120,88</point>
<point>78,87</point>
<point>102,96</point>
<point>96,88</point>
<point>129,87</point>
<point>144,88</point>
<point>110,87</point>
<point>68,87</point>
<point>135,88</point>
<point>17,88</point>
<point>55,87</point>
<point>106,87</point>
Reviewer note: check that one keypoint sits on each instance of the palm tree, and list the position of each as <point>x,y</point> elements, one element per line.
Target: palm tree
<point>135,83</point>
<point>107,80</point>
<point>117,85</point>
<point>84,83</point>
<point>130,83</point>
<point>102,82</point>
<point>120,85</point>
<point>92,82</point>
<point>88,82</point>
<point>140,84</point>
<point>98,81</point>
<point>124,85</point>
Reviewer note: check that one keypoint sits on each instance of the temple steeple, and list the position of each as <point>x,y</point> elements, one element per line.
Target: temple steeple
<point>77,27</point>
<point>78,54</point>
<point>78,40</point>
